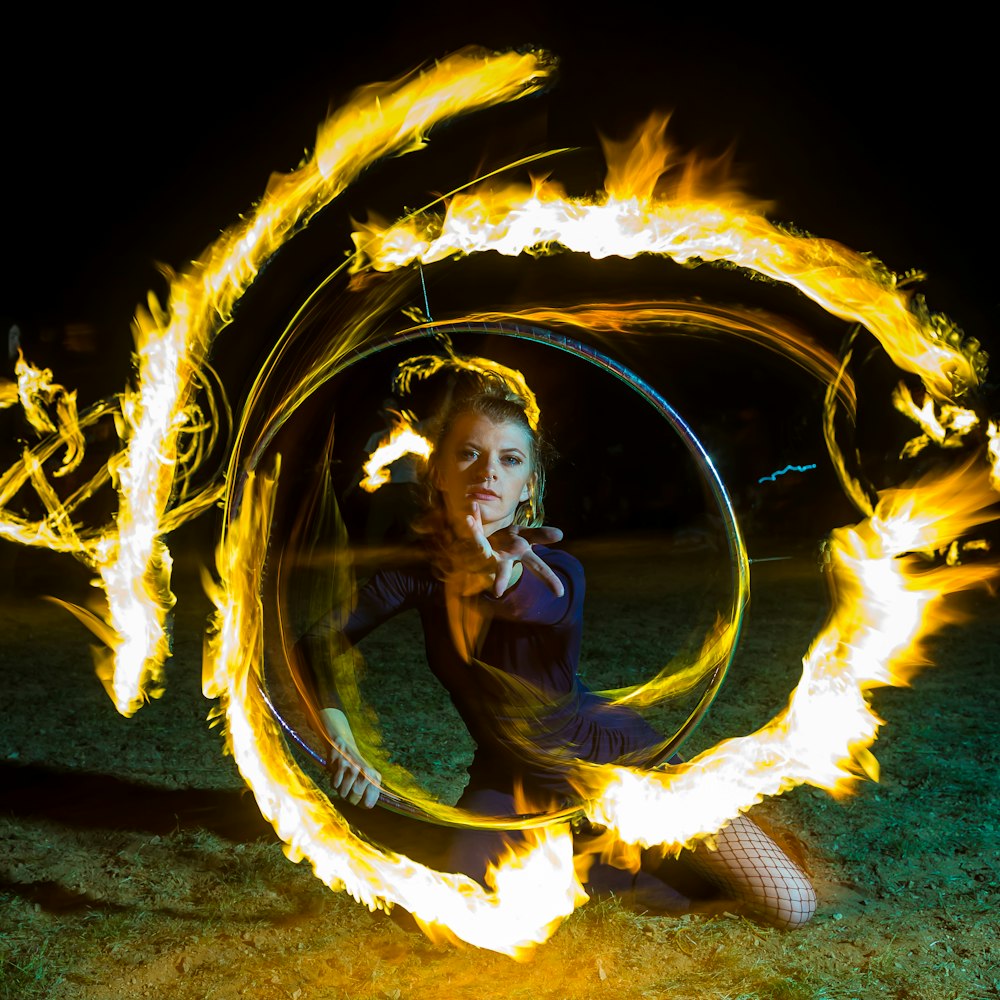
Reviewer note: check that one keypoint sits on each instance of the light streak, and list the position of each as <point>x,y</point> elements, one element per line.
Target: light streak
<point>890,575</point>
<point>402,441</point>
<point>788,468</point>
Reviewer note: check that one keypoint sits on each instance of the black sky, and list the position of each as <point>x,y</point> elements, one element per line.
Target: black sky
<point>131,144</point>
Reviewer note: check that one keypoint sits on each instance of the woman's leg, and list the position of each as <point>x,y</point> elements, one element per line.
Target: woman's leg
<point>756,874</point>
<point>471,851</point>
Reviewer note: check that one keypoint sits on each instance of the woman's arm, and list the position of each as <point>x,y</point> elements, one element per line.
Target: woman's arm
<point>314,658</point>
<point>531,599</point>
<point>490,568</point>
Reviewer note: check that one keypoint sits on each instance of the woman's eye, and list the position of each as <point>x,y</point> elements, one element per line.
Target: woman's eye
<point>512,460</point>
<point>467,455</point>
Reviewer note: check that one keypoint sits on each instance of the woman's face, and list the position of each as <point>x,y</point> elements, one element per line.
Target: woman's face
<point>485,463</point>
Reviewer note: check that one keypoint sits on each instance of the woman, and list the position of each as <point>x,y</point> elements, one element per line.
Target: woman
<point>502,617</point>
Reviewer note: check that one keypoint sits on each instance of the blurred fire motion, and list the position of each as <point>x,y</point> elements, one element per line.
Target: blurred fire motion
<point>890,575</point>
<point>402,440</point>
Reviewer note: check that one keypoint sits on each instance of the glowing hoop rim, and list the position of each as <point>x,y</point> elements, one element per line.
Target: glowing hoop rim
<point>739,563</point>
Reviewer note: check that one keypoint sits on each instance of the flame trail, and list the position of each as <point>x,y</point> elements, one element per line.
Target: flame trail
<point>631,218</point>
<point>172,342</point>
<point>856,653</point>
<point>402,440</point>
<point>889,595</point>
<point>534,889</point>
<point>891,576</point>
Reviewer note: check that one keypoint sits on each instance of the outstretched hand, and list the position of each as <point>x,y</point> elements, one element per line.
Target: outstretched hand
<point>509,549</point>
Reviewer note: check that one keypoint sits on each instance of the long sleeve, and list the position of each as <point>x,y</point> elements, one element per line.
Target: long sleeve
<point>531,601</point>
<point>326,648</point>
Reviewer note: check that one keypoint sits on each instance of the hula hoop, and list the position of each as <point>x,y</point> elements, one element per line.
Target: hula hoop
<point>739,563</point>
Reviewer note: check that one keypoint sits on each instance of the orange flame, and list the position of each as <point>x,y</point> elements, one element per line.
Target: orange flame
<point>823,736</point>
<point>402,440</point>
<point>627,222</point>
<point>535,887</point>
<point>890,576</point>
<point>944,425</point>
<point>888,596</point>
<point>131,558</point>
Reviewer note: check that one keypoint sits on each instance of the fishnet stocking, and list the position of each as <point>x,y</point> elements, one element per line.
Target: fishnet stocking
<point>751,868</point>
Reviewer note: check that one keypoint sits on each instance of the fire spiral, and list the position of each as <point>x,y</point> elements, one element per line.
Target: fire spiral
<point>891,573</point>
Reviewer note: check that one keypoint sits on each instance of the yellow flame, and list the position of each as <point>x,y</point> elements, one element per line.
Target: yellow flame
<point>887,598</point>
<point>944,425</point>
<point>628,222</point>
<point>425,365</point>
<point>890,576</point>
<point>172,342</point>
<point>402,440</point>
<point>823,736</point>
<point>37,392</point>
<point>55,531</point>
<point>8,393</point>
<point>993,452</point>
<point>533,889</point>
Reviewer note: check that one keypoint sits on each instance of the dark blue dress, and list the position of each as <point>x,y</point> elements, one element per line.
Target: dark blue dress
<point>527,710</point>
<point>521,697</point>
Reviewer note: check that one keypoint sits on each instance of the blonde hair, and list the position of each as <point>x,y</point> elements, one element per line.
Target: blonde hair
<point>493,398</point>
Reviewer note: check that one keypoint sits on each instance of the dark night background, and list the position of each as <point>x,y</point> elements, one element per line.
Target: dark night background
<point>133,862</point>
<point>137,146</point>
<point>134,146</point>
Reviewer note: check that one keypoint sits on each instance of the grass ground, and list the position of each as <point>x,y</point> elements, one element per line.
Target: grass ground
<point>134,863</point>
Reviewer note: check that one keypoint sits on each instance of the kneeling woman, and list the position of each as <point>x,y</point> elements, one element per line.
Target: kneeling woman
<point>502,615</point>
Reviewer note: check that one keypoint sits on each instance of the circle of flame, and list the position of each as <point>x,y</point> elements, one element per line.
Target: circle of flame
<point>823,735</point>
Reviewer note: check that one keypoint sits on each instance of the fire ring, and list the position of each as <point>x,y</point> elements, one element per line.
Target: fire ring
<point>739,562</point>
